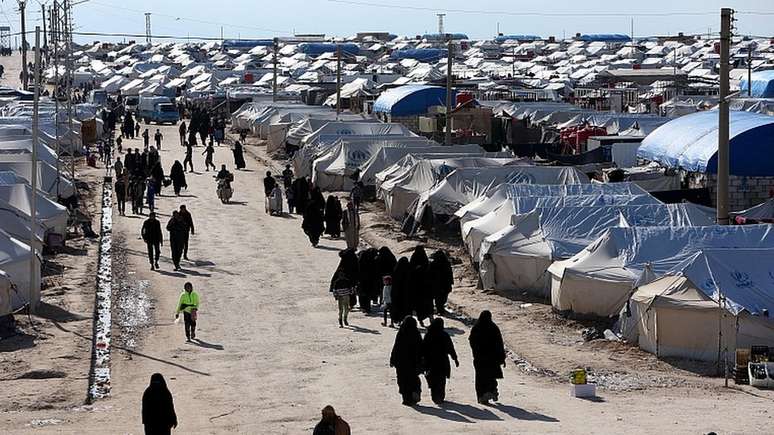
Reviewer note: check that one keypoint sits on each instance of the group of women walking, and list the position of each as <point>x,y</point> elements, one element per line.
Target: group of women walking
<point>412,290</point>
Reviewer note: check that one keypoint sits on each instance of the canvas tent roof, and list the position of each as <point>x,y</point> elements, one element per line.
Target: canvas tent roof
<point>466,184</point>
<point>388,156</point>
<point>762,84</point>
<point>683,304</point>
<point>599,279</point>
<point>50,214</point>
<point>410,100</point>
<point>46,178</point>
<point>15,257</point>
<point>761,211</point>
<point>334,130</point>
<point>691,143</point>
<point>523,251</point>
<point>5,294</point>
<point>503,192</point>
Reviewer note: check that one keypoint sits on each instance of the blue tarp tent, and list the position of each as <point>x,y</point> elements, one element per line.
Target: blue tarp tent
<point>601,37</point>
<point>762,84</point>
<point>691,142</point>
<point>315,49</point>
<point>410,100</point>
<point>503,38</point>
<point>420,54</point>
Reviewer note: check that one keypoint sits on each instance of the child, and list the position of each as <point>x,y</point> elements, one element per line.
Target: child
<point>342,290</point>
<point>387,299</point>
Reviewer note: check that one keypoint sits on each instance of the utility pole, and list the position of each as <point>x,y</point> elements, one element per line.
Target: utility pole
<point>749,71</point>
<point>45,43</point>
<point>34,287</point>
<point>440,24</point>
<point>147,28</point>
<point>22,14</point>
<point>338,81</point>
<point>513,62</point>
<point>274,62</point>
<point>726,16</point>
<point>68,38</point>
<point>54,27</point>
<point>449,48</point>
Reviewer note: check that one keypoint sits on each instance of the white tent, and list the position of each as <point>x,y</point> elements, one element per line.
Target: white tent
<point>15,257</point>
<point>51,215</point>
<point>334,130</point>
<point>388,156</point>
<point>474,231</point>
<point>17,225</point>
<point>23,145</point>
<point>522,252</point>
<point>404,187</point>
<point>466,184</point>
<point>683,315</point>
<point>599,279</point>
<point>332,169</point>
<point>47,178</point>
<point>498,195</point>
<point>760,211</point>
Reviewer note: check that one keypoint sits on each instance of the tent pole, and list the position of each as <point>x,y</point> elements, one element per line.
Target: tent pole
<point>34,287</point>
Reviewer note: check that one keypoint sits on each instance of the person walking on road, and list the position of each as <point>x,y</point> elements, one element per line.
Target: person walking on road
<point>137,194</point>
<point>421,293</point>
<point>333,217</point>
<point>350,222</point>
<point>268,184</point>
<point>486,342</point>
<point>177,175</point>
<point>177,234</point>
<point>313,224</point>
<point>151,197</point>
<point>146,138</point>
<point>120,188</point>
<point>331,424</point>
<point>437,347</point>
<point>405,357</point>
<point>208,153</point>
<point>158,409</point>
<point>118,167</point>
<point>153,238</point>
<point>342,290</point>
<point>287,177</point>
<point>441,279</point>
<point>185,215</point>
<point>239,157</point>
<point>183,130</point>
<point>387,299</point>
<point>157,138</point>
<point>188,156</point>
<point>188,304</point>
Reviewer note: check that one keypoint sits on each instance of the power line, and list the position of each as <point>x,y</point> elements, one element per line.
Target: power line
<point>539,14</point>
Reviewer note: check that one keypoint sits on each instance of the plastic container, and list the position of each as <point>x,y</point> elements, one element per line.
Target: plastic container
<point>578,377</point>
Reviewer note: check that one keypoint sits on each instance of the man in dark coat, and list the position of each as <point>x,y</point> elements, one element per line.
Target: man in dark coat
<point>313,224</point>
<point>421,293</point>
<point>486,342</point>
<point>185,215</point>
<point>153,238</point>
<point>441,278</point>
<point>130,161</point>
<point>406,358</point>
<point>158,409</point>
<point>268,184</point>
<point>401,298</point>
<point>437,347</point>
<point>177,234</point>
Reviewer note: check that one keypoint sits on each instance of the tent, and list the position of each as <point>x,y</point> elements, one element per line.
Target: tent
<point>51,215</point>
<point>17,225</point>
<point>474,231</point>
<point>682,314</point>
<point>466,184</point>
<point>410,100</point>
<point>691,143</point>
<point>23,145</point>
<point>760,211</point>
<point>331,131</point>
<point>762,84</point>
<point>522,252</point>
<point>15,258</point>
<point>332,169</point>
<point>47,178</point>
<point>403,187</point>
<point>315,121</point>
<point>598,280</point>
<point>496,196</point>
<point>388,156</point>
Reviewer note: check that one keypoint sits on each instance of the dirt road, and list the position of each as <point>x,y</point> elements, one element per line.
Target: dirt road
<point>271,353</point>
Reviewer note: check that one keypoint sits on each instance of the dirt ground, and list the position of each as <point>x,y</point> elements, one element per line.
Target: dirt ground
<point>271,354</point>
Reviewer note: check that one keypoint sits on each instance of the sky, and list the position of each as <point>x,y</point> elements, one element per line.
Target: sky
<point>479,19</point>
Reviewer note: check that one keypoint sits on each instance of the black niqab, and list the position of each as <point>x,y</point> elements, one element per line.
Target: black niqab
<point>158,409</point>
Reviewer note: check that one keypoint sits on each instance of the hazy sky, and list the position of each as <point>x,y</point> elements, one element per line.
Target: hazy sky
<point>477,18</point>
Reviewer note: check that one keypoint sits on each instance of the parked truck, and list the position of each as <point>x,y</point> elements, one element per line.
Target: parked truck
<point>157,109</point>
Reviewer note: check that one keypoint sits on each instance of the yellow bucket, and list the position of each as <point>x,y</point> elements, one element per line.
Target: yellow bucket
<point>578,377</point>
